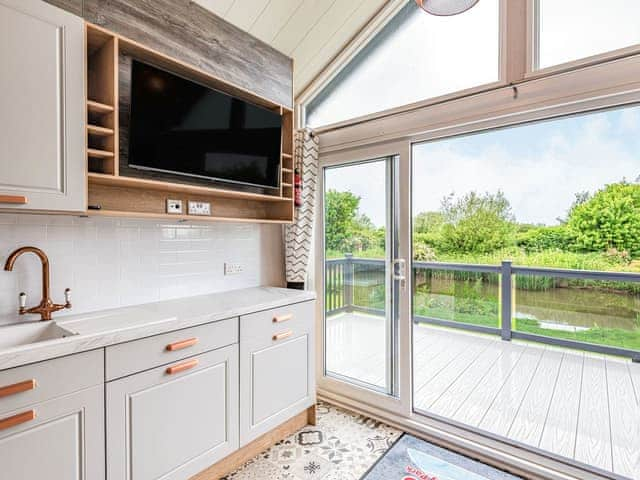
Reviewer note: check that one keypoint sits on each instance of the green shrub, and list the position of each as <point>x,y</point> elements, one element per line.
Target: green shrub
<point>477,223</point>
<point>539,239</point>
<point>610,219</point>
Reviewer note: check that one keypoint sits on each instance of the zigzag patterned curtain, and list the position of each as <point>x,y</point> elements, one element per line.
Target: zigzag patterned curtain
<point>299,235</point>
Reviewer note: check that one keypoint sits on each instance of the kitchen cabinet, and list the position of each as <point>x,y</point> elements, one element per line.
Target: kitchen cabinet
<point>42,98</point>
<point>52,421</point>
<point>173,421</point>
<point>277,377</point>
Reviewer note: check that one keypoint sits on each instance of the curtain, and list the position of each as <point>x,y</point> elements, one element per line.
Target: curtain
<point>299,235</point>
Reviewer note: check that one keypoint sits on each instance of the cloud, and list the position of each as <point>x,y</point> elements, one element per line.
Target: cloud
<point>539,176</point>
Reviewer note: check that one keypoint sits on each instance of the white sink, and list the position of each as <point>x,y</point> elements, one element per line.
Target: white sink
<point>22,334</point>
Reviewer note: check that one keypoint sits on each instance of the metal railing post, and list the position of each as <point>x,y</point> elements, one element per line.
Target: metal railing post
<point>347,280</point>
<point>506,298</point>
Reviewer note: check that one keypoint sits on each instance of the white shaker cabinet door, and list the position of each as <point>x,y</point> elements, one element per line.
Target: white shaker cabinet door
<point>163,425</point>
<point>276,367</point>
<point>60,439</point>
<point>42,108</point>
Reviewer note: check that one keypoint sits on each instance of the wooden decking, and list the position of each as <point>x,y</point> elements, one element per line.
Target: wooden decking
<point>578,405</point>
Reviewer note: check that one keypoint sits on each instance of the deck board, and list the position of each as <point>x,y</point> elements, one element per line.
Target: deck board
<point>441,382</point>
<point>473,410</point>
<point>593,441</point>
<point>575,405</point>
<point>634,371</point>
<point>529,420</point>
<point>559,429</point>
<point>506,403</point>
<point>625,433</point>
<point>451,400</point>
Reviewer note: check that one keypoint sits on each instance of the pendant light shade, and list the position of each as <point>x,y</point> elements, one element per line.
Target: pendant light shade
<point>445,8</point>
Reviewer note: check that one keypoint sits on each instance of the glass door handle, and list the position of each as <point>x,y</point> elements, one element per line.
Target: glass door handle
<point>399,271</point>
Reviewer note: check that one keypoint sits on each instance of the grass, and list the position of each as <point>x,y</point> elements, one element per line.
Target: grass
<point>546,258</point>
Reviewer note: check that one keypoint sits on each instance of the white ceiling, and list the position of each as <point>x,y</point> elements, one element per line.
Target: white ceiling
<point>312,32</point>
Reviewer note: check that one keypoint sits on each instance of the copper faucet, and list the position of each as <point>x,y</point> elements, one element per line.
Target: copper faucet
<point>46,306</point>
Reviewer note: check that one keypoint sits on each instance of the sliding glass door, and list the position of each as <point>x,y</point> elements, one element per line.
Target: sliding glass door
<point>361,273</point>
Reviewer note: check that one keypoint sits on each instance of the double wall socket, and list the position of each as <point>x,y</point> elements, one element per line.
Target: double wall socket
<point>193,208</point>
<point>233,268</point>
<point>199,208</point>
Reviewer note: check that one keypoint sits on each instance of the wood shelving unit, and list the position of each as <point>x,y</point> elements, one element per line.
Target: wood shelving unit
<point>116,194</point>
<point>102,101</point>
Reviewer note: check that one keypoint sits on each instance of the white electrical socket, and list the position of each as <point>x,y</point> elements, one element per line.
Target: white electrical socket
<point>174,206</point>
<point>233,268</point>
<point>199,208</point>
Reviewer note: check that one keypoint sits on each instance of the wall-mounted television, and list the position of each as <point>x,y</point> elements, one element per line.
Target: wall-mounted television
<point>181,127</point>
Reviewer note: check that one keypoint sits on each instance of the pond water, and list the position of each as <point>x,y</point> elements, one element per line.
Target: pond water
<point>564,308</point>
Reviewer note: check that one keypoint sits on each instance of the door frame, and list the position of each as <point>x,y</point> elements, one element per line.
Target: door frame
<point>400,401</point>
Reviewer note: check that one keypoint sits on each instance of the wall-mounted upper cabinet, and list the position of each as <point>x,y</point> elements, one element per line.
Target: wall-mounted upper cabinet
<point>42,108</point>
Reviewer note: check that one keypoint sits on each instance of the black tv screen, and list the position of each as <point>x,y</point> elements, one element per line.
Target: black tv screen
<point>181,127</point>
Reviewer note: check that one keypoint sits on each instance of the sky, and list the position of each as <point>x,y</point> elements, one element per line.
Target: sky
<point>539,167</point>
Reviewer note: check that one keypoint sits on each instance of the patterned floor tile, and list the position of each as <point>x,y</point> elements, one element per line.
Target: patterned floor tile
<point>343,446</point>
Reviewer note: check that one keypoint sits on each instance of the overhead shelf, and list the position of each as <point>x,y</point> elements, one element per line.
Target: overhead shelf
<point>95,153</point>
<point>116,190</point>
<point>99,131</point>
<point>97,107</point>
<point>143,183</point>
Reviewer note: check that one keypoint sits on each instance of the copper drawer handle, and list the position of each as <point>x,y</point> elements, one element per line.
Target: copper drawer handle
<point>181,367</point>
<point>282,318</point>
<point>17,388</point>
<point>18,419</point>
<point>14,199</point>
<point>189,342</point>
<point>282,336</point>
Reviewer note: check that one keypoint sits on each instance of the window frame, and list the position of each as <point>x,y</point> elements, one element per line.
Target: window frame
<point>362,39</point>
<point>533,49</point>
<point>605,85</point>
<point>518,42</point>
<point>605,81</point>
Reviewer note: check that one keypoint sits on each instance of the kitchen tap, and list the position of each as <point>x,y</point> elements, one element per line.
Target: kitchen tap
<point>46,306</point>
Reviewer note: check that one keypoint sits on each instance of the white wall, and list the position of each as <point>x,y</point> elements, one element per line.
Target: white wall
<point>110,262</point>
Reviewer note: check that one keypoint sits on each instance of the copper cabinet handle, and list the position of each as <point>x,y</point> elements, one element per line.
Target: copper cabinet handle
<point>17,388</point>
<point>283,335</point>
<point>14,199</point>
<point>17,419</point>
<point>282,318</point>
<point>189,342</point>
<point>181,367</point>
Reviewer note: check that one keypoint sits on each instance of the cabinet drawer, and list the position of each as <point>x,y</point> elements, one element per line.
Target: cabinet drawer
<point>132,357</point>
<point>42,381</point>
<point>265,328</point>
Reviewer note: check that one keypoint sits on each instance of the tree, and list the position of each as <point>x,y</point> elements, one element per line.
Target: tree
<point>477,223</point>
<point>341,209</point>
<point>348,230</point>
<point>428,222</point>
<point>609,220</point>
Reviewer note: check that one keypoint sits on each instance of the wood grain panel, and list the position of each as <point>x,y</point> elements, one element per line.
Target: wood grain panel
<point>73,6</point>
<point>190,33</point>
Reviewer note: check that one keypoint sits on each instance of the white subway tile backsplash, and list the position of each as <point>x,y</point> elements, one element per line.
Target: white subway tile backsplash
<point>110,262</point>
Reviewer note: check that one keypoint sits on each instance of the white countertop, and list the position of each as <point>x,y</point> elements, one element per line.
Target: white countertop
<point>108,327</point>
